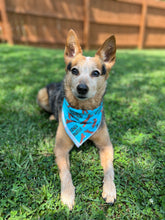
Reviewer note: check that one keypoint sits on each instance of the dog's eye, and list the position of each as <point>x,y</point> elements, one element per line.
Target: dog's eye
<point>75,71</point>
<point>95,73</point>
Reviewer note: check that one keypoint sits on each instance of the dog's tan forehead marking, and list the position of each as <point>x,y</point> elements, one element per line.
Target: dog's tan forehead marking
<point>87,64</point>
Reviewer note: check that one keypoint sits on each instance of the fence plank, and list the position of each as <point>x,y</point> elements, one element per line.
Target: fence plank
<point>6,25</point>
<point>142,25</point>
<point>86,23</point>
<point>45,15</point>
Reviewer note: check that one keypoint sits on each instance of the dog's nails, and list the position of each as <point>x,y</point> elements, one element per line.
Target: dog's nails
<point>110,203</point>
<point>104,198</point>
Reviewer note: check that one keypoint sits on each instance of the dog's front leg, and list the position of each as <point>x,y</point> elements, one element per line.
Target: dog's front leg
<point>62,147</point>
<point>102,141</point>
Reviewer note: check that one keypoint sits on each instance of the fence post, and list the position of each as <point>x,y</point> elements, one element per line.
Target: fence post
<point>5,22</point>
<point>86,24</point>
<point>142,25</point>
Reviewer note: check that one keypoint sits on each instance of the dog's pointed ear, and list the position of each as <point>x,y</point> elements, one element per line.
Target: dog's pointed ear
<point>107,52</point>
<point>72,46</point>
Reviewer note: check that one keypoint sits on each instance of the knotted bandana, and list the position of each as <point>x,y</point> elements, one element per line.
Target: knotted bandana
<point>80,124</point>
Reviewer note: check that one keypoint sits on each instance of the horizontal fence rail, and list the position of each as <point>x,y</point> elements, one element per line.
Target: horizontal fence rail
<point>135,23</point>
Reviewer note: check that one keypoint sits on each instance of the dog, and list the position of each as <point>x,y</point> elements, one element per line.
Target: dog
<point>77,104</point>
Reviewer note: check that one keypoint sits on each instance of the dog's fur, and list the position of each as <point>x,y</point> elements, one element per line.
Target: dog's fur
<point>91,74</point>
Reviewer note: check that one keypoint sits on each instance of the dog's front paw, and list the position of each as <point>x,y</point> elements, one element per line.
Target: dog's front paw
<point>68,196</point>
<point>109,192</point>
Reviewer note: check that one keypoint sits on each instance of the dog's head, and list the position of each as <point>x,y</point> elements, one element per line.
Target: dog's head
<point>86,76</point>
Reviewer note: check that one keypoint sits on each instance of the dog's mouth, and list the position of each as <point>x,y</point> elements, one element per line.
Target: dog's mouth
<point>81,97</point>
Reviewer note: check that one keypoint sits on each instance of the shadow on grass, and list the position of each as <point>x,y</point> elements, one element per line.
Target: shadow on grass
<point>134,109</point>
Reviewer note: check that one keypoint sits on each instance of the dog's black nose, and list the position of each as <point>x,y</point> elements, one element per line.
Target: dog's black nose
<point>82,89</point>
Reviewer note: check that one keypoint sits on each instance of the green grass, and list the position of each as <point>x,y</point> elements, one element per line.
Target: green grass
<point>135,114</point>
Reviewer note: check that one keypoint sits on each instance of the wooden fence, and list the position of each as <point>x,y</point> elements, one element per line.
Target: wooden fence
<point>136,23</point>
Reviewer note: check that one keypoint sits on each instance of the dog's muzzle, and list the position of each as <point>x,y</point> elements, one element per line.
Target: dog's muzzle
<point>82,90</point>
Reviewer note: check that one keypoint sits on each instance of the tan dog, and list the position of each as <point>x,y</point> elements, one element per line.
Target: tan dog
<point>83,87</point>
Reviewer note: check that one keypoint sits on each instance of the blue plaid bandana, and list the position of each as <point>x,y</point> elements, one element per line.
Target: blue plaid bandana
<point>80,124</point>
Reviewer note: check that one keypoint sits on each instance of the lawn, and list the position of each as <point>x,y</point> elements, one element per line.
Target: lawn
<point>135,113</point>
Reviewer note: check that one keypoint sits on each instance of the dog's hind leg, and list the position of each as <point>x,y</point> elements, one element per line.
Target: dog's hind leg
<point>43,99</point>
<point>102,141</point>
<point>62,147</point>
